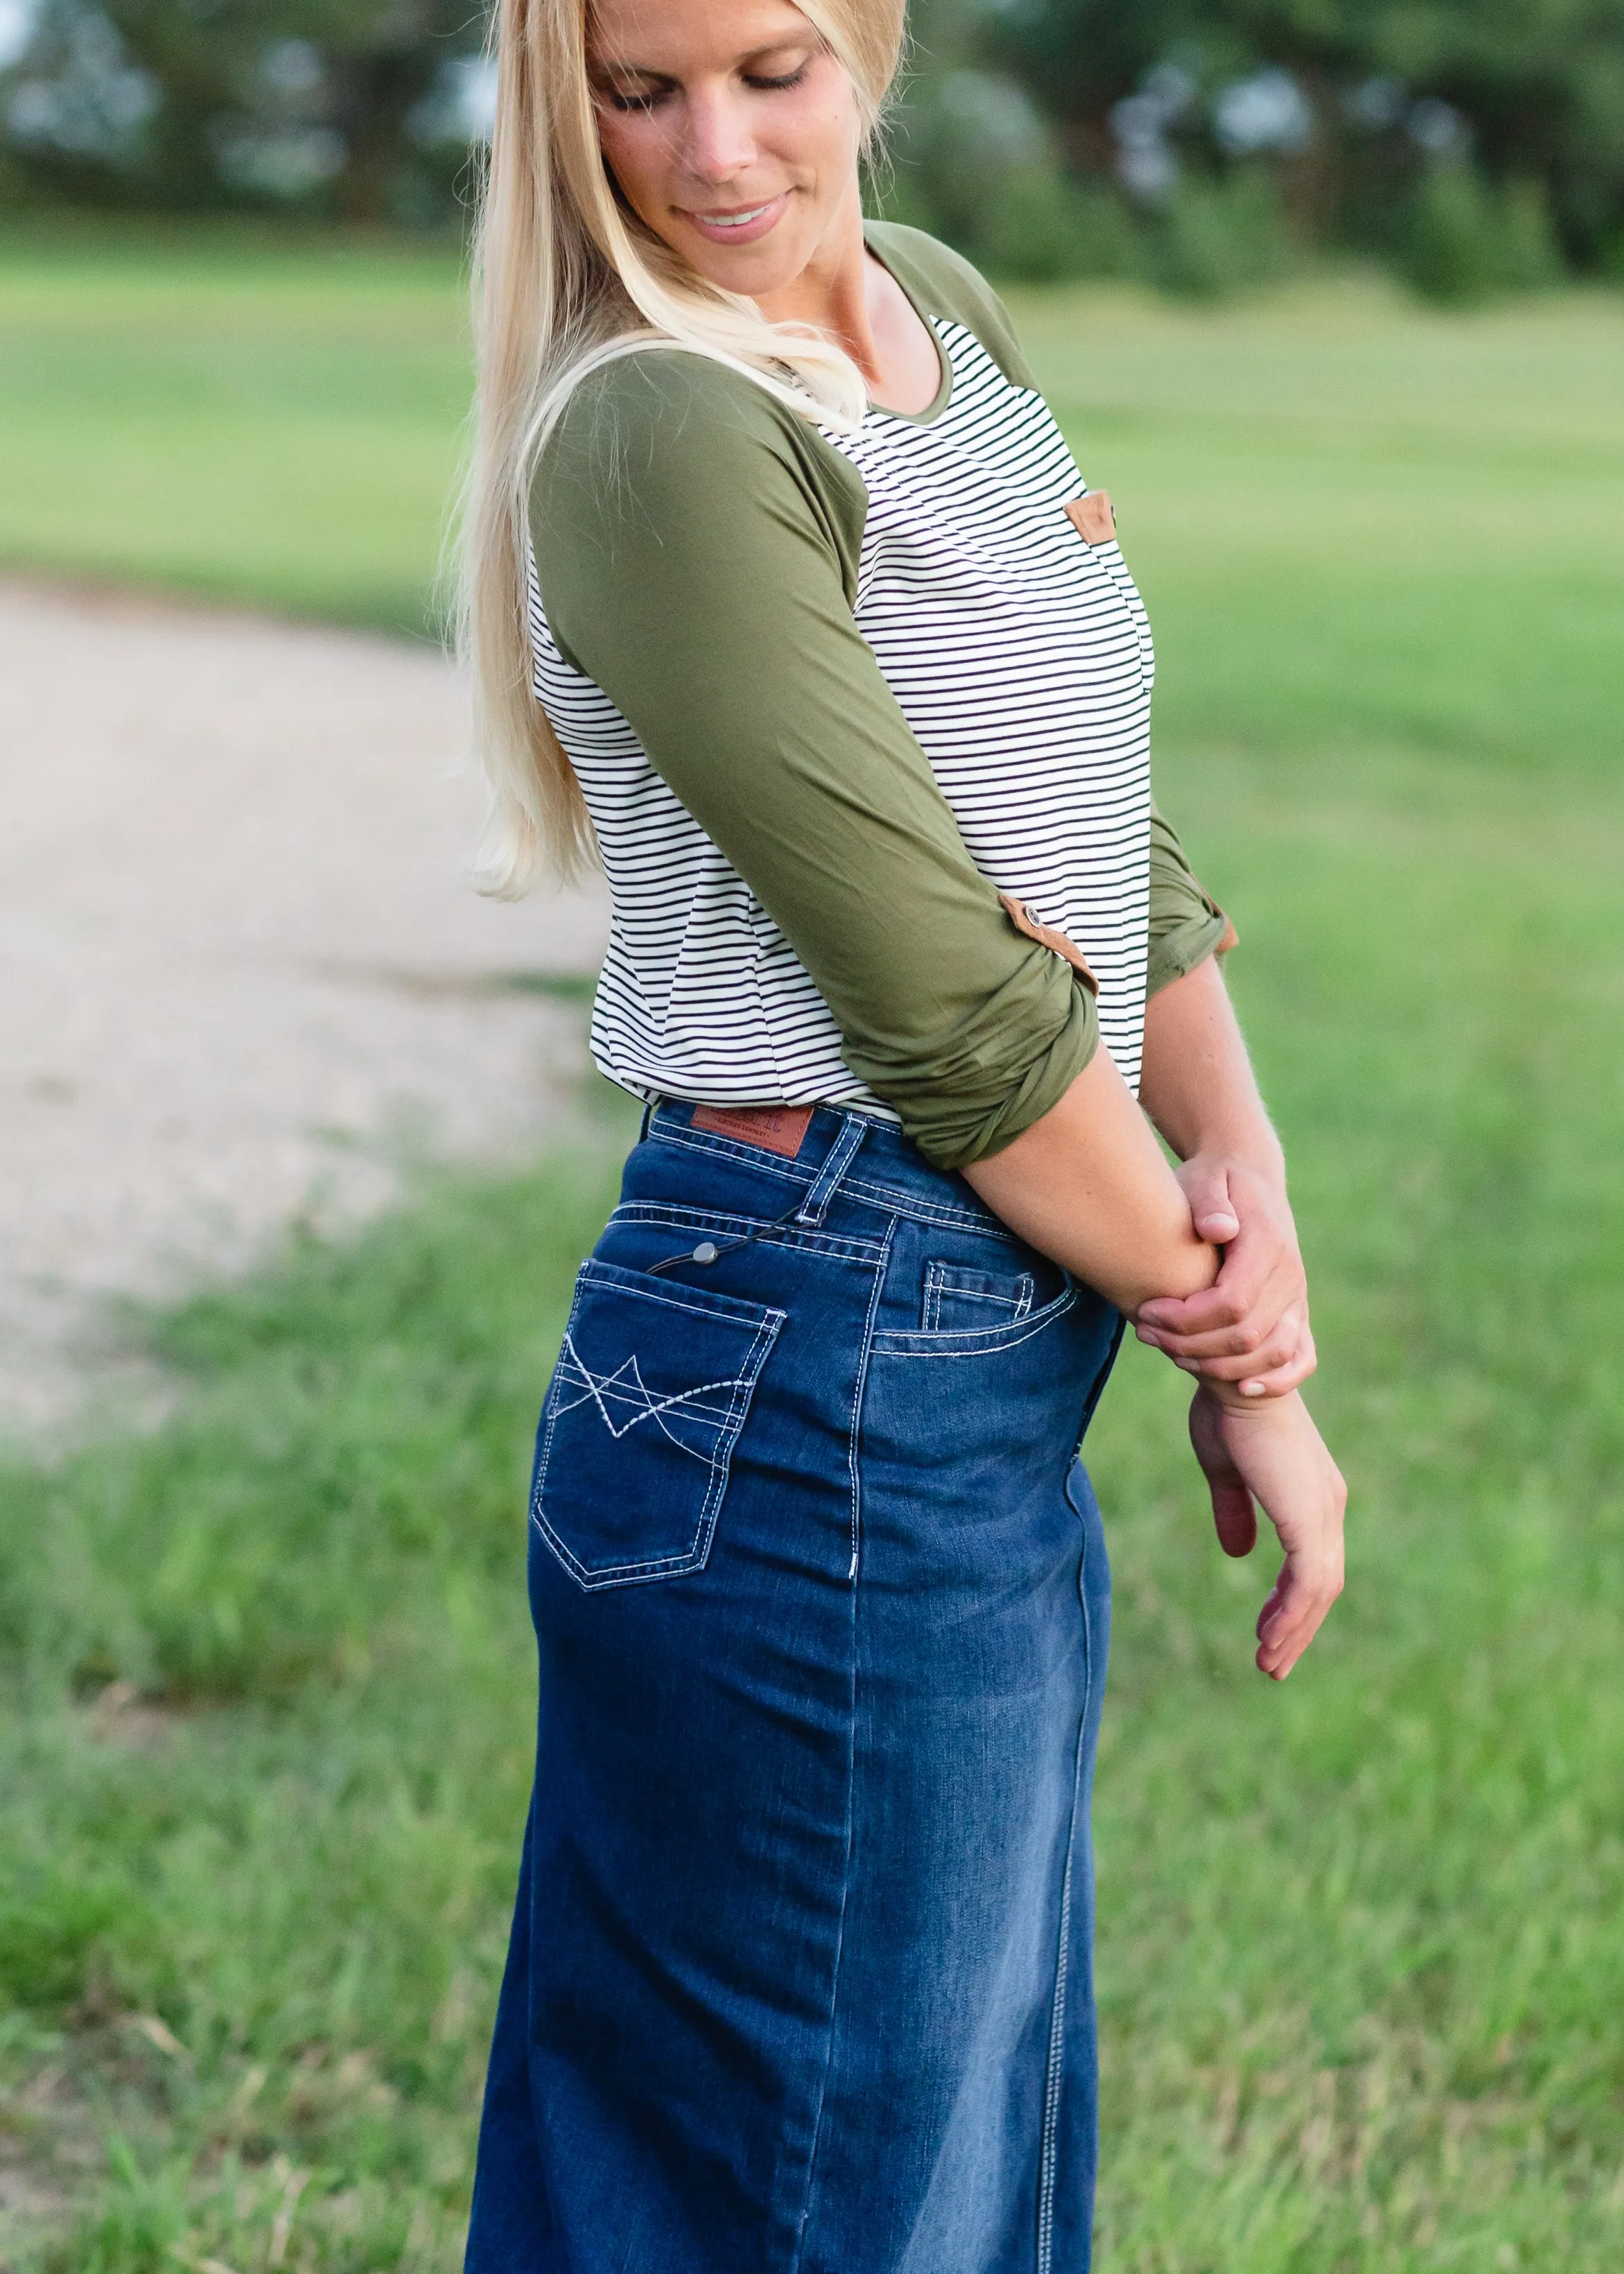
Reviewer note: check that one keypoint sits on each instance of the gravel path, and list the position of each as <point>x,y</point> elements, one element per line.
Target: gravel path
<point>241,974</point>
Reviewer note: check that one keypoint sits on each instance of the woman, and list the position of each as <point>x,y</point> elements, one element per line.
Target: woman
<point>784,586</point>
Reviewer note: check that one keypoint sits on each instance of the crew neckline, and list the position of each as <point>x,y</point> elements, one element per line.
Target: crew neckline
<point>944,394</point>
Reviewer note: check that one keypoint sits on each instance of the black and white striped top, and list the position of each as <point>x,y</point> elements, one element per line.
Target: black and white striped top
<point>1020,658</point>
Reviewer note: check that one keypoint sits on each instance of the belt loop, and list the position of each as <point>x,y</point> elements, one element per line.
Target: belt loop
<point>836,1161</point>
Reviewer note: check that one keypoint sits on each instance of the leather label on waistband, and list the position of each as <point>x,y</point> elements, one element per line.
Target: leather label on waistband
<point>775,1129</point>
<point>1091,518</point>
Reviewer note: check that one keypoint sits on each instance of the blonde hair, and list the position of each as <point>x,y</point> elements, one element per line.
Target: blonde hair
<point>566,278</point>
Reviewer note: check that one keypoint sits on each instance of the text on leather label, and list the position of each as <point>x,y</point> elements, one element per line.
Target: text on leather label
<point>774,1128</point>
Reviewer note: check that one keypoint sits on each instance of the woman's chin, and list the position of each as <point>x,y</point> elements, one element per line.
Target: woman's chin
<point>769,263</point>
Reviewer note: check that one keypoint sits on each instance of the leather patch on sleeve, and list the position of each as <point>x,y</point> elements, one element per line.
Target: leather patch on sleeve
<point>1024,922</point>
<point>1091,518</point>
<point>773,1128</point>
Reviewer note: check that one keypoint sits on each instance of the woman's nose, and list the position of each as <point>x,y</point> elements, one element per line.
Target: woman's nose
<point>716,142</point>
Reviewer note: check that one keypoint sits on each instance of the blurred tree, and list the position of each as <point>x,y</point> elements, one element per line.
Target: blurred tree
<point>1195,141</point>
<point>350,106</point>
<point>1532,90</point>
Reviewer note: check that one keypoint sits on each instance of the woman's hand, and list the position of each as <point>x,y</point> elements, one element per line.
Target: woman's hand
<point>1251,1326</point>
<point>1270,1452</point>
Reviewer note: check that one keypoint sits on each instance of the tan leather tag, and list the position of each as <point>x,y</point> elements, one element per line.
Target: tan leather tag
<point>1091,518</point>
<point>774,1128</point>
<point>1026,922</point>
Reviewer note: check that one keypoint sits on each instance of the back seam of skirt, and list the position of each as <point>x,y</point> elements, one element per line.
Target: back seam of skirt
<point>851,1753</point>
<point>1056,2025</point>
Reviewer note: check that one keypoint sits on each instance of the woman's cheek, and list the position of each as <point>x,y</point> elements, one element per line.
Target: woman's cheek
<point>637,167</point>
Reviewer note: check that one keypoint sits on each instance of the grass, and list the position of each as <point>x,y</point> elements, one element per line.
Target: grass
<point>259,420</point>
<point>264,1754</point>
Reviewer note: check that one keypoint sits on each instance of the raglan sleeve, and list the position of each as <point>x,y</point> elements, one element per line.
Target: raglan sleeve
<point>695,546</point>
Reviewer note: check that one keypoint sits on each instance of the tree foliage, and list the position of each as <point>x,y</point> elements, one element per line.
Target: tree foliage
<point>1476,141</point>
<point>350,106</point>
<point>1537,85</point>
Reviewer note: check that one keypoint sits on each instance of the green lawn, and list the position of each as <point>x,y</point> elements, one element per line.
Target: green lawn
<point>1361,1970</point>
<point>263,422</point>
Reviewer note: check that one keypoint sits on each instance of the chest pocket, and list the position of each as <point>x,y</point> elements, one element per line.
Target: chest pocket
<point>956,1300</point>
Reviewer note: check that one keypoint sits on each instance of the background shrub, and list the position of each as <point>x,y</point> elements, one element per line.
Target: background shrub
<point>1214,239</point>
<point>1478,149</point>
<point>1467,241</point>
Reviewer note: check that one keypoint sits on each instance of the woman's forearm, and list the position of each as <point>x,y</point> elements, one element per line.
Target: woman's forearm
<point>1088,1186</point>
<point>1197,1083</point>
<point>1248,1336</point>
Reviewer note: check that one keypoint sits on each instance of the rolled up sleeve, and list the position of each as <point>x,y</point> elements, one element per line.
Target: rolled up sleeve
<point>1186,923</point>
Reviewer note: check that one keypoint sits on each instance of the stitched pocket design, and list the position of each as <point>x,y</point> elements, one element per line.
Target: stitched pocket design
<point>644,1409</point>
<point>955,1299</point>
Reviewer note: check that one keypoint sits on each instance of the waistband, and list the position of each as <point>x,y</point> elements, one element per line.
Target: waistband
<point>837,1151</point>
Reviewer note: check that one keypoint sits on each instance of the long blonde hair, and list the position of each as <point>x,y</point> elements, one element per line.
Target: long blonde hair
<point>566,278</point>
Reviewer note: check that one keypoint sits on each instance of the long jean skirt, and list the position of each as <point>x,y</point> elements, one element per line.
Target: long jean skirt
<point>800,1975</point>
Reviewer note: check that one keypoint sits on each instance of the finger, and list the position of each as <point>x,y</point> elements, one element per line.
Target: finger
<point>1257,1346</point>
<point>1278,1660</point>
<point>1293,1610</point>
<point>1285,1645</point>
<point>1293,1615</point>
<point>1235,1518</point>
<point>1234,1296</point>
<point>1234,1515</point>
<point>1212,1211</point>
<point>1283,1362</point>
<point>1221,1226</point>
<point>1224,1304</point>
<point>1303,1362</point>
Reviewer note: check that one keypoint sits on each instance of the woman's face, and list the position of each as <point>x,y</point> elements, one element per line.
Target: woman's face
<point>732,130</point>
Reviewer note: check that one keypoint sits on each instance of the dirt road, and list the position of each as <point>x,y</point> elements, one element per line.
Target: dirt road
<point>241,973</point>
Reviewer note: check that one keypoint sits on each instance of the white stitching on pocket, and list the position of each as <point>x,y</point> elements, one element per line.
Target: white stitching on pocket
<point>628,1387</point>
<point>948,1279</point>
<point>893,1341</point>
<point>634,1393</point>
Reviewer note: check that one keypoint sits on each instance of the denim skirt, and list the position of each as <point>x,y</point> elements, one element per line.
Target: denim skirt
<point>800,1978</point>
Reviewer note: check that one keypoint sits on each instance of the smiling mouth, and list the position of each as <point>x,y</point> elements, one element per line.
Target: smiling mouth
<point>741,217</point>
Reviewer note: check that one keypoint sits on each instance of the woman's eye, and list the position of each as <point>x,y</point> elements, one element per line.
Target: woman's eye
<point>768,85</point>
<point>622,99</point>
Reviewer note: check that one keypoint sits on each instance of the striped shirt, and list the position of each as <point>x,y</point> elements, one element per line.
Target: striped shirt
<point>947,639</point>
<point>1019,655</point>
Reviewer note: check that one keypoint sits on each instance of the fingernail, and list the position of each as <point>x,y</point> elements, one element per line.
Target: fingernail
<point>1251,1390</point>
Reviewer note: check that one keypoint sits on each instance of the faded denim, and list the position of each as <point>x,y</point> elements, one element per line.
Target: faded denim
<point>800,1975</point>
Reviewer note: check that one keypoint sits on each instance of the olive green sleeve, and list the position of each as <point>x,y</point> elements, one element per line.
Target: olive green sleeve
<point>696,547</point>
<point>1186,923</point>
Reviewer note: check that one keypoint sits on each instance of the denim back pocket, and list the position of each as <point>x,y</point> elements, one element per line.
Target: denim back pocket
<point>641,1416</point>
